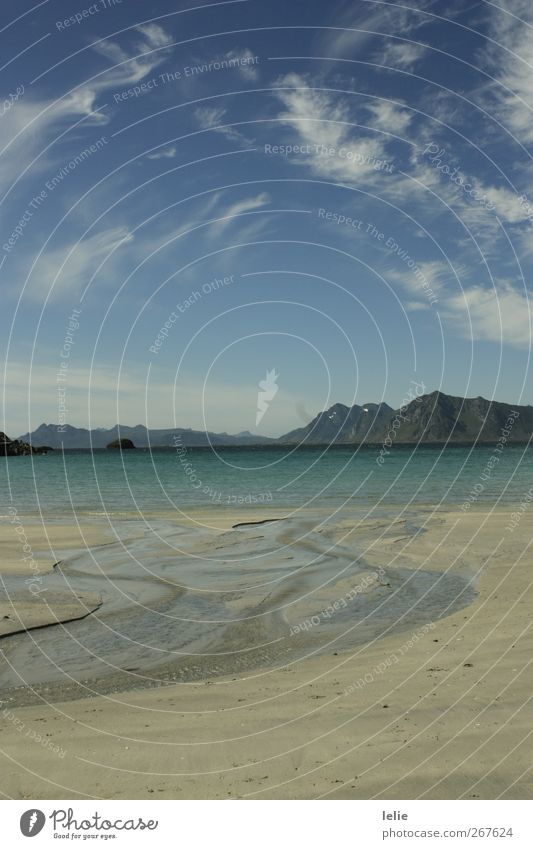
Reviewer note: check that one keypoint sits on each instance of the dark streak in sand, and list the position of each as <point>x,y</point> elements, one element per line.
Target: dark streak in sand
<point>260,522</point>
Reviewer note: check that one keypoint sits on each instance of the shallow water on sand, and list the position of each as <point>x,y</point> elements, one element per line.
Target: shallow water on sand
<point>191,603</point>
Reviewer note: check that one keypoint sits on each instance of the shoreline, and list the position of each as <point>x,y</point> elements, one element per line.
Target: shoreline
<point>441,719</point>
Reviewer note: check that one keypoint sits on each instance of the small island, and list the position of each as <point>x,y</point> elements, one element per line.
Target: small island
<point>122,444</point>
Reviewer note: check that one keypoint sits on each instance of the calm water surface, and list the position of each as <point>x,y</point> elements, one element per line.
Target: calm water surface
<point>163,480</point>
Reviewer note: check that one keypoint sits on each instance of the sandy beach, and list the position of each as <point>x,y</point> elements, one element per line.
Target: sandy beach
<point>433,705</point>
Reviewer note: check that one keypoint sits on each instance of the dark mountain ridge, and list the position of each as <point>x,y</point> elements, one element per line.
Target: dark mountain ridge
<point>342,424</point>
<point>435,418</point>
<point>69,437</point>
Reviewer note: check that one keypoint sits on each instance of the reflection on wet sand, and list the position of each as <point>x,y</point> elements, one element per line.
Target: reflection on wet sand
<point>191,603</point>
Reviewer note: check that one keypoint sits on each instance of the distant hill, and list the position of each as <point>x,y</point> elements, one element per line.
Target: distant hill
<point>438,417</point>
<point>78,437</point>
<point>433,418</point>
<point>343,424</point>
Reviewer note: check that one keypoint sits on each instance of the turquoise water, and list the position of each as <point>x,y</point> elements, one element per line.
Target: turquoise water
<point>164,480</point>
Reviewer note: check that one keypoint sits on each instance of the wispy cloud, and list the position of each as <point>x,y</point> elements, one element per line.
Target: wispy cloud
<point>355,25</point>
<point>478,203</point>
<point>34,123</point>
<point>165,153</point>
<point>215,118</point>
<point>247,65</point>
<point>319,118</point>
<point>70,267</point>
<point>130,66</point>
<point>512,66</point>
<point>401,55</point>
<point>389,116</point>
<point>438,275</point>
<point>498,316</point>
<point>154,35</point>
<point>238,208</point>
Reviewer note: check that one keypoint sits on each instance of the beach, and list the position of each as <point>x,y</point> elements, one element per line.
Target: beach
<point>429,699</point>
<point>266,450</point>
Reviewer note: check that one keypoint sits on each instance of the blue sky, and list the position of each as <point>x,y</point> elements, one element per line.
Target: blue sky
<point>342,192</point>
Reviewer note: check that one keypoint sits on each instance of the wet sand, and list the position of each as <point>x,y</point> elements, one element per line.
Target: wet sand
<point>188,603</point>
<point>414,684</point>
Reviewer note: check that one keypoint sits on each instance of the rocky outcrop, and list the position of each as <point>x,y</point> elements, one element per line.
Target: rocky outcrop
<point>15,447</point>
<point>122,444</point>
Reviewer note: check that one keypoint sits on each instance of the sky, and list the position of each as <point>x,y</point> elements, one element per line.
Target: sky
<point>332,199</point>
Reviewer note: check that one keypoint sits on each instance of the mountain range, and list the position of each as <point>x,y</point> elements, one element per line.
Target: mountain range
<point>434,418</point>
<point>78,437</point>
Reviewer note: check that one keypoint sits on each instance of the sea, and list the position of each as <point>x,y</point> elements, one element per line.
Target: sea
<point>151,481</point>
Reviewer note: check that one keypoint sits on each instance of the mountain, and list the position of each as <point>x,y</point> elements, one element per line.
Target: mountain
<point>433,418</point>
<point>343,424</point>
<point>78,437</point>
<point>438,418</point>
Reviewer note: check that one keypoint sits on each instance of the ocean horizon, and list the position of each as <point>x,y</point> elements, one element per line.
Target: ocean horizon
<point>100,482</point>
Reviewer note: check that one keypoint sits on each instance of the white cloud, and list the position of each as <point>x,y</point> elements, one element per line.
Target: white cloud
<point>353,28</point>
<point>389,116</point>
<point>31,124</point>
<point>247,66</point>
<point>402,55</point>
<point>315,115</point>
<point>417,306</point>
<point>437,276</point>
<point>129,68</point>
<point>69,268</point>
<point>504,315</point>
<point>513,66</point>
<point>238,208</point>
<point>154,35</point>
<point>506,204</point>
<point>319,118</point>
<point>211,118</point>
<point>166,153</point>
<point>471,201</point>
